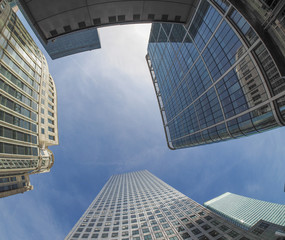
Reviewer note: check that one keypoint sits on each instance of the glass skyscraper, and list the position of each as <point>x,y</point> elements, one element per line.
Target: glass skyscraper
<point>215,78</point>
<point>140,206</point>
<point>244,211</point>
<point>28,107</point>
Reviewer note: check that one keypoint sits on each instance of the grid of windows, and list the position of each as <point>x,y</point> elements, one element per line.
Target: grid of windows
<point>23,83</point>
<point>211,78</point>
<point>138,205</point>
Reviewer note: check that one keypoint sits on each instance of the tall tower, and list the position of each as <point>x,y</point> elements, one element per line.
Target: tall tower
<point>28,107</point>
<point>245,211</point>
<point>216,78</point>
<point>140,206</point>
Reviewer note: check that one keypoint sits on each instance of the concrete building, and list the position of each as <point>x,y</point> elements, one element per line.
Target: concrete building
<point>246,212</point>
<point>217,78</point>
<point>139,206</point>
<point>28,107</point>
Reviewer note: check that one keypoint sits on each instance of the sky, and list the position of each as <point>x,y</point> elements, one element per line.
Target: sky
<point>109,123</point>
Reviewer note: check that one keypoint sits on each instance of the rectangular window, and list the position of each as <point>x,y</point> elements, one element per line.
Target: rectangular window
<point>53,138</point>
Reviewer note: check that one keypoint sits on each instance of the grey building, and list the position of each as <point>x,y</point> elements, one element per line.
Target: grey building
<point>28,107</point>
<point>140,206</point>
<point>69,21</point>
<point>217,78</point>
<point>246,212</point>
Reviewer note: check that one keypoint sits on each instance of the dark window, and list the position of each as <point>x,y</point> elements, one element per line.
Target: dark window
<point>67,28</point>
<point>150,17</point>
<point>214,233</point>
<point>121,18</point>
<point>81,24</point>
<point>185,235</point>
<point>199,221</point>
<point>53,33</point>
<point>196,231</point>
<point>203,237</point>
<point>136,17</point>
<point>112,19</point>
<point>206,227</point>
<point>97,21</point>
<point>177,18</point>
<point>164,17</point>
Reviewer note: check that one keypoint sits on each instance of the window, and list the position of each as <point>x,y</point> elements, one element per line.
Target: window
<point>50,121</point>
<point>104,235</point>
<point>196,231</point>
<point>155,228</point>
<point>169,232</point>
<point>173,238</point>
<point>206,227</point>
<point>50,114</point>
<point>135,232</point>
<point>199,221</point>
<point>223,228</point>
<point>233,234</point>
<point>53,138</point>
<point>203,237</point>
<point>42,120</point>
<point>158,234</point>
<point>214,233</point>
<point>145,230</point>
<point>42,111</point>
<point>215,222</point>
<point>190,225</point>
<point>147,237</point>
<point>42,130</point>
<point>185,235</point>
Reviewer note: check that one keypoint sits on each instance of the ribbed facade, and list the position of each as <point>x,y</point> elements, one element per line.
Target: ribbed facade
<point>28,106</point>
<point>215,79</point>
<point>140,206</point>
<point>246,212</point>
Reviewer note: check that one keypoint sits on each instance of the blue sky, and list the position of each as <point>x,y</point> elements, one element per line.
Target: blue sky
<point>109,123</point>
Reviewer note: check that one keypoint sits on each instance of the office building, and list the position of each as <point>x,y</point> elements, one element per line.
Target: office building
<point>246,212</point>
<point>217,78</point>
<point>28,107</point>
<point>73,22</point>
<point>139,206</point>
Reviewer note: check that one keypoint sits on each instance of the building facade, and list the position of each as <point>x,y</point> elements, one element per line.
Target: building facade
<point>139,206</point>
<point>28,107</point>
<point>246,212</point>
<point>74,24</point>
<point>215,78</point>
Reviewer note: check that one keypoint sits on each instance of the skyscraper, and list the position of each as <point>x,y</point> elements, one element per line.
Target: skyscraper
<point>244,211</point>
<point>140,206</point>
<point>216,78</point>
<point>28,107</point>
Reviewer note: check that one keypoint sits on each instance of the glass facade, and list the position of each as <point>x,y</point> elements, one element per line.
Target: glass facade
<point>73,42</point>
<point>26,92</point>
<point>246,212</point>
<point>139,206</point>
<point>214,79</point>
